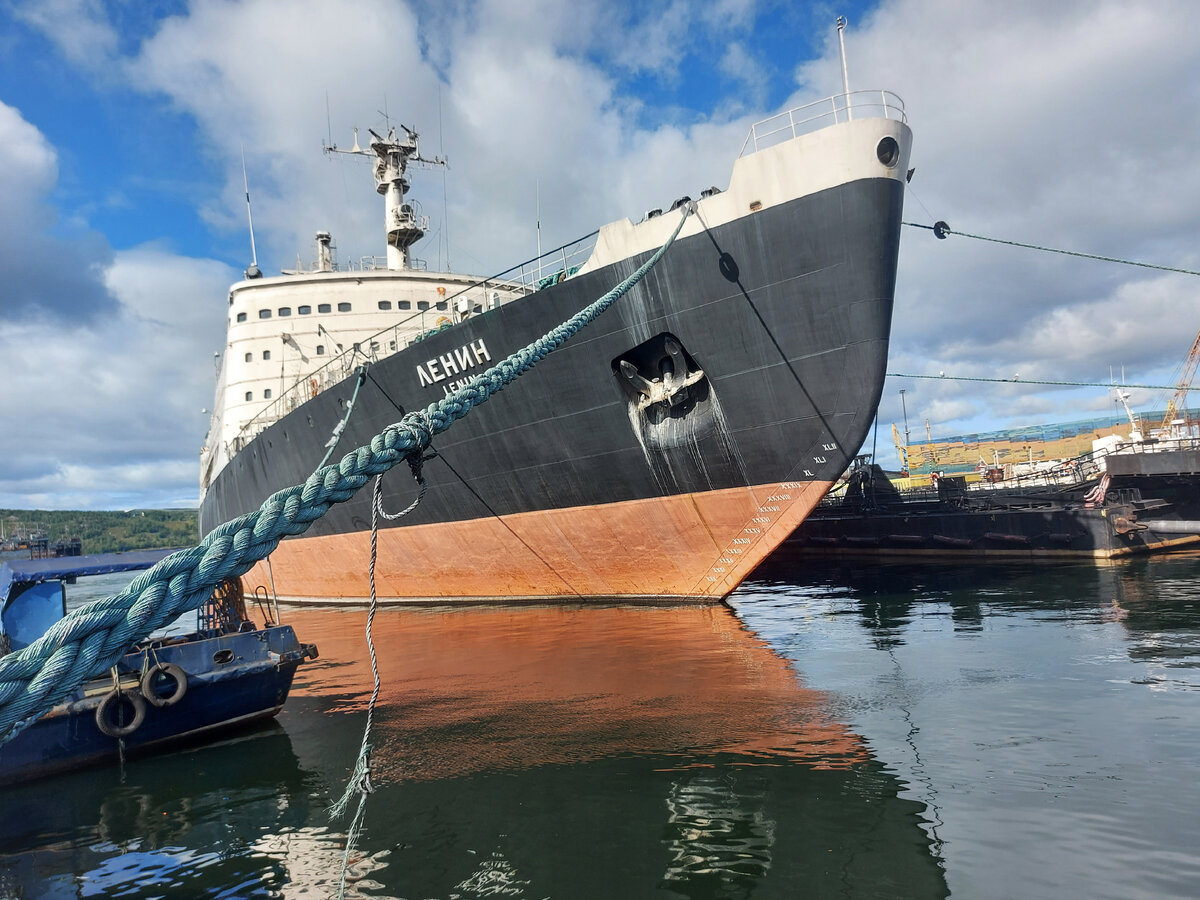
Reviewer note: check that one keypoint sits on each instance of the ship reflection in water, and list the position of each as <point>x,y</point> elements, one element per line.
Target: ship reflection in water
<point>485,688</point>
<point>525,752</point>
<point>668,748</point>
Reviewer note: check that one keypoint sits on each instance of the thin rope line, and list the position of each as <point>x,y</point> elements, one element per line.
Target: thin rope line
<point>345,420</point>
<point>360,780</point>
<point>1152,387</point>
<point>507,527</point>
<point>941,229</point>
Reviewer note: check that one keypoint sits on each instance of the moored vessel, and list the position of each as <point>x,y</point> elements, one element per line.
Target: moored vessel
<point>659,455</point>
<point>174,688</point>
<point>1124,498</point>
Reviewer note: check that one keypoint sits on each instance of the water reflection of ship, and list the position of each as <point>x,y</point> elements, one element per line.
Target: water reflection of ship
<point>148,824</point>
<point>1157,603</point>
<point>669,748</point>
<point>556,684</point>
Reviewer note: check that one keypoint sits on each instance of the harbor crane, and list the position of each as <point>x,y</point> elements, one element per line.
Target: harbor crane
<point>1178,402</point>
<point>901,448</point>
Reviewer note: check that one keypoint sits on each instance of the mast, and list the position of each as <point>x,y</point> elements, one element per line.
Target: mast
<point>1135,433</point>
<point>254,271</point>
<point>841,28</point>
<point>402,225</point>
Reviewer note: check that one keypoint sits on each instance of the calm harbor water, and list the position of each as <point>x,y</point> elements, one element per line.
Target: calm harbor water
<point>836,731</point>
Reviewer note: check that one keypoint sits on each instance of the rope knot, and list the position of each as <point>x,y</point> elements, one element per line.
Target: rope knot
<point>364,775</point>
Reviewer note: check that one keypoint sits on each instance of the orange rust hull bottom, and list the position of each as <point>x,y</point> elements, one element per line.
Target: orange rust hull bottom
<point>688,547</point>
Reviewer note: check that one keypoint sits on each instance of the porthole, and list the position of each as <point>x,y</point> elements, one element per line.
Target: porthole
<point>241,317</point>
<point>404,304</point>
<point>303,310</point>
<point>320,349</point>
<point>267,394</point>
<point>324,307</point>
<point>264,314</point>
<point>249,395</point>
<point>443,304</point>
<point>888,152</point>
<point>422,304</point>
<point>266,354</point>
<point>343,307</point>
<point>385,304</point>
<point>285,310</point>
<point>249,356</point>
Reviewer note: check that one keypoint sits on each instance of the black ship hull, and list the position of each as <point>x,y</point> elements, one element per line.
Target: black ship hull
<point>567,484</point>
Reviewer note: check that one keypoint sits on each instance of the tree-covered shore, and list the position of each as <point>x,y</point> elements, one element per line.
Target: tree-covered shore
<point>105,531</point>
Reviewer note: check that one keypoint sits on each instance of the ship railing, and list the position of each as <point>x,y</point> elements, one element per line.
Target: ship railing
<point>873,104</point>
<point>553,266</point>
<point>474,299</point>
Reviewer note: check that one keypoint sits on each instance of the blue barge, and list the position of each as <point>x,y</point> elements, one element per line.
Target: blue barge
<point>165,691</point>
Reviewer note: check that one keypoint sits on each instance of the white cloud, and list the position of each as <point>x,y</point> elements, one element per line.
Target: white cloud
<point>80,28</point>
<point>45,275</point>
<point>108,414</point>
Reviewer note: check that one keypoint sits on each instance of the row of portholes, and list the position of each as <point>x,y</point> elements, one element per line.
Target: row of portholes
<point>266,395</point>
<point>285,311</point>
<point>344,306</point>
<point>422,305</point>
<point>266,354</point>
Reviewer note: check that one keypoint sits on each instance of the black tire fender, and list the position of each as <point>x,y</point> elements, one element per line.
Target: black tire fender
<point>109,709</point>
<point>170,670</point>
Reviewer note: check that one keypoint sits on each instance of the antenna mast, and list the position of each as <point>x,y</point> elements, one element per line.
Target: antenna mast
<point>403,226</point>
<point>841,27</point>
<point>253,271</point>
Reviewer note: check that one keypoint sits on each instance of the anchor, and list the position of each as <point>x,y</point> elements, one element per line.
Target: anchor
<point>672,389</point>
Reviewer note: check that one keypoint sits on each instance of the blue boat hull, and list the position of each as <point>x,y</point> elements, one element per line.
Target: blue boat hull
<point>232,679</point>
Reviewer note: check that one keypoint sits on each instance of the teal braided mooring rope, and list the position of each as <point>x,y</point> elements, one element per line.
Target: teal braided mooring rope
<point>91,639</point>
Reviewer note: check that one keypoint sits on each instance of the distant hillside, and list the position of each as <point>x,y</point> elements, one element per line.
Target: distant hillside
<point>105,531</point>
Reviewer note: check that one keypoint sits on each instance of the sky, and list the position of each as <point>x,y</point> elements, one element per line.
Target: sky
<point>123,125</point>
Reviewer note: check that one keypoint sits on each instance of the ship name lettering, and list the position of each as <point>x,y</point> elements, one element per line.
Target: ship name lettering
<point>456,362</point>
<point>451,386</point>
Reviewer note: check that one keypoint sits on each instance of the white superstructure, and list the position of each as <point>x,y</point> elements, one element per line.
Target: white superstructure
<point>289,337</point>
